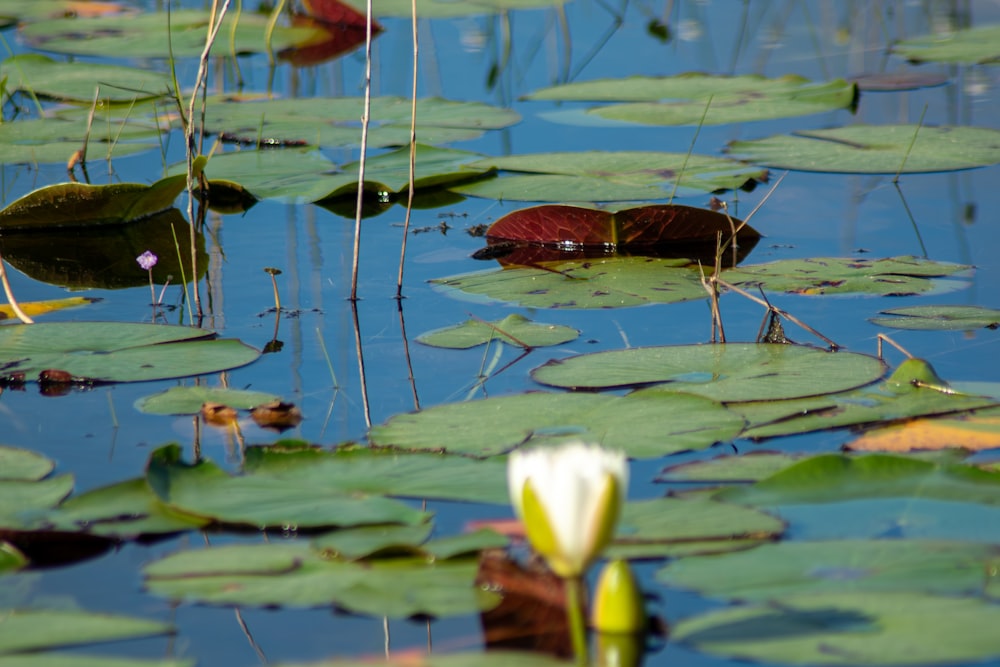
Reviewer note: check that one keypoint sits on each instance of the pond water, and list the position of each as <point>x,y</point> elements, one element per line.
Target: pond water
<point>100,437</point>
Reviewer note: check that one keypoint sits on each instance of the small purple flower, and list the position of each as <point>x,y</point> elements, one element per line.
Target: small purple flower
<point>147,260</point>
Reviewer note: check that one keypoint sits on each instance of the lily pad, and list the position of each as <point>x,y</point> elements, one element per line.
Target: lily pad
<point>438,9</point>
<point>849,628</point>
<point>749,467</point>
<point>891,276</point>
<point>117,351</point>
<point>123,510</point>
<point>724,372</point>
<point>77,81</point>
<point>333,121</point>
<point>875,149</point>
<point>610,176</point>
<point>643,427</point>
<point>10,558</point>
<point>913,390</point>
<point>357,471</point>
<point>304,174</point>
<point>969,432</point>
<point>969,46</point>
<point>145,35</point>
<point>188,400</point>
<point>776,571</point>
<point>36,308</point>
<point>23,464</point>
<point>23,630</point>
<point>831,478</point>
<point>667,527</point>
<point>204,490</point>
<point>52,659</point>
<point>299,575</point>
<point>514,330</point>
<point>80,204</point>
<point>23,500</point>
<point>939,318</point>
<point>613,282</point>
<point>682,99</point>
<point>47,140</point>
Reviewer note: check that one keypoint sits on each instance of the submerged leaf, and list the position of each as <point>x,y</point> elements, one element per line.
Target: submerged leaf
<point>514,330</point>
<point>188,400</point>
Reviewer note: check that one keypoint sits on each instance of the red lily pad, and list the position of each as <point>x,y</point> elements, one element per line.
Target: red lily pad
<point>554,229</point>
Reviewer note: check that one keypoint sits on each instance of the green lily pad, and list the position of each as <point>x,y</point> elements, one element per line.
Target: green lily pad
<point>939,318</point>
<point>367,541</point>
<point>10,558</point>
<point>299,575</point>
<point>830,478</point>
<point>77,81</point>
<point>23,630</point>
<point>204,490</point>
<point>118,351</point>
<point>643,427</point>
<point>188,400</point>
<point>50,140</point>
<point>668,527</point>
<point>613,282</point>
<point>333,121</point>
<point>305,175</point>
<point>609,176</point>
<point>875,149</point>
<point>891,276</point>
<point>776,571</point>
<point>969,45</point>
<point>124,510</point>
<point>23,464</point>
<point>80,204</point>
<point>361,470</point>
<point>514,330</point>
<point>22,500</point>
<point>682,99</point>
<point>849,629</point>
<point>724,372</point>
<point>749,467</point>
<point>145,35</point>
<point>913,390</point>
<point>51,659</point>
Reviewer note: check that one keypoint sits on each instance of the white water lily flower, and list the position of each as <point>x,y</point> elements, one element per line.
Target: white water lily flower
<point>569,498</point>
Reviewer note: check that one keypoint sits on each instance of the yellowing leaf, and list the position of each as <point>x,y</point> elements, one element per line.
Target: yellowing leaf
<point>972,432</point>
<point>43,307</point>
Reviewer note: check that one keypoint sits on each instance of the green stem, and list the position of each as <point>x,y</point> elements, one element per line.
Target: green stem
<point>574,614</point>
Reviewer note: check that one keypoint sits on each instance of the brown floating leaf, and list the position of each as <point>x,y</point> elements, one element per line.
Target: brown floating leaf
<point>971,432</point>
<point>277,415</point>
<point>560,232</point>
<point>218,414</point>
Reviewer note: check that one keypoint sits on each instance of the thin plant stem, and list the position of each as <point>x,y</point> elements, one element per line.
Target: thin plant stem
<point>406,354</point>
<point>359,348</point>
<point>365,116</point>
<point>913,140</point>
<point>788,316</point>
<point>574,614</point>
<point>413,154</point>
<point>152,290</point>
<point>21,315</point>
<point>217,15</point>
<point>326,356</point>
<point>180,264</point>
<point>687,156</point>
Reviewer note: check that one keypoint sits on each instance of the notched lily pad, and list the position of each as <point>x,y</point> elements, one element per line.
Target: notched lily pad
<point>682,99</point>
<point>514,330</point>
<point>849,628</point>
<point>204,490</point>
<point>116,351</point>
<point>302,575</point>
<point>78,81</point>
<point>609,176</point>
<point>643,427</point>
<point>939,318</point>
<point>724,372</point>
<point>875,149</point>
